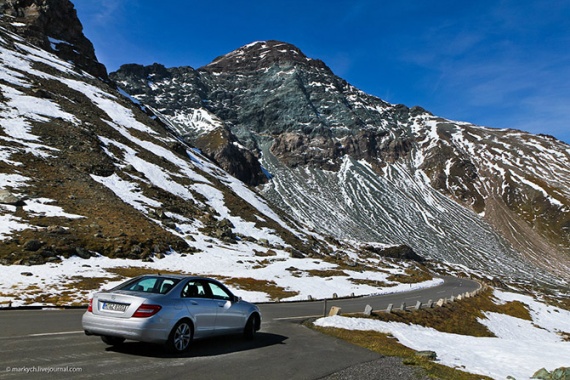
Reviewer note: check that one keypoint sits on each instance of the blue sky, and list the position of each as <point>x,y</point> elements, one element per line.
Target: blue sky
<point>502,64</point>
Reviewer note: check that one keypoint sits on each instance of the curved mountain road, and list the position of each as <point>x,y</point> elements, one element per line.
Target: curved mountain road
<point>51,343</point>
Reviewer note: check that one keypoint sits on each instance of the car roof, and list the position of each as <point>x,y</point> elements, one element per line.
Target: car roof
<point>178,276</point>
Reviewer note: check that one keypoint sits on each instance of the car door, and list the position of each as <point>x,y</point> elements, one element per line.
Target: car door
<point>230,316</point>
<point>200,306</point>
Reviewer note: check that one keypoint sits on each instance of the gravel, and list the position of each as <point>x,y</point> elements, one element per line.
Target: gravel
<point>385,368</point>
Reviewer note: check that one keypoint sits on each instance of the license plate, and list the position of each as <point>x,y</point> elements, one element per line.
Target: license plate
<point>112,306</point>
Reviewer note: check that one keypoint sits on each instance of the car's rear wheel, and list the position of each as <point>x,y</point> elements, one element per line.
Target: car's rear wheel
<point>180,337</point>
<point>112,340</point>
<point>251,327</point>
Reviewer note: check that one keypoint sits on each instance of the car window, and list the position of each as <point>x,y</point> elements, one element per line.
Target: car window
<point>194,289</point>
<point>219,292</point>
<point>154,284</point>
<point>167,285</point>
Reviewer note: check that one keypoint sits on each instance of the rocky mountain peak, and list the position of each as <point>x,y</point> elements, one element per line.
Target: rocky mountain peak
<point>54,26</point>
<point>262,54</point>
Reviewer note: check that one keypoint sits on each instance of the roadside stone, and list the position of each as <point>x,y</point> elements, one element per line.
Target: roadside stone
<point>335,310</point>
<point>368,310</point>
<point>27,274</point>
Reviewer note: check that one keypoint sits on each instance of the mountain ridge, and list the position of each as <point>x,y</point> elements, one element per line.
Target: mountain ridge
<point>307,118</point>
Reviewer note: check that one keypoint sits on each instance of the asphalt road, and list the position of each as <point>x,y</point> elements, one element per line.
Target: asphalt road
<point>51,344</point>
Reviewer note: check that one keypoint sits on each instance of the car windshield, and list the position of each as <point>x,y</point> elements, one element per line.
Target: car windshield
<point>150,284</point>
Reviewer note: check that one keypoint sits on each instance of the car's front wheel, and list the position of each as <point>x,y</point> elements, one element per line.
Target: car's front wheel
<point>180,337</point>
<point>251,327</point>
<point>112,340</point>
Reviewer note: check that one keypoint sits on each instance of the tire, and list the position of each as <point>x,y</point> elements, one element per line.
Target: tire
<point>180,337</point>
<point>251,327</point>
<point>112,340</point>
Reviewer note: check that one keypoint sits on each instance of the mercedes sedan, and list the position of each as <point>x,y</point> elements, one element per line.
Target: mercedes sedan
<point>169,309</point>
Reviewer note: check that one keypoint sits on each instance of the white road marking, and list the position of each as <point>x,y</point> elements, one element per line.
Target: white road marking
<point>58,333</point>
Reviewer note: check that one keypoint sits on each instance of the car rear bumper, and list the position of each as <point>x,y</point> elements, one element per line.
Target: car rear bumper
<point>153,330</point>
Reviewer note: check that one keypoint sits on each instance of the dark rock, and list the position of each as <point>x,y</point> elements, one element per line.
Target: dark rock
<point>295,253</point>
<point>46,253</point>
<point>82,253</point>
<point>401,252</point>
<point>54,26</point>
<point>33,245</point>
<point>220,146</point>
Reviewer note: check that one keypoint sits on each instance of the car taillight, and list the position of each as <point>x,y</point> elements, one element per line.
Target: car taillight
<point>90,307</point>
<point>145,311</point>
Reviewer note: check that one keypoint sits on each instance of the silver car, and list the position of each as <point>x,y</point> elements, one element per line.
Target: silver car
<point>169,309</point>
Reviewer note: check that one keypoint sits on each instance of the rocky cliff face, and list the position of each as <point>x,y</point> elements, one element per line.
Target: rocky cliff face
<point>355,166</point>
<point>54,26</point>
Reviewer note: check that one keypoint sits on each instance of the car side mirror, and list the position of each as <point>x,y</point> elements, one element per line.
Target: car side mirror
<point>236,299</point>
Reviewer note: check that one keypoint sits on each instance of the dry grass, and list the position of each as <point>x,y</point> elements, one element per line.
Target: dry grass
<point>276,293</point>
<point>267,253</point>
<point>261,264</point>
<point>326,272</point>
<point>89,283</point>
<point>411,276</point>
<point>129,272</point>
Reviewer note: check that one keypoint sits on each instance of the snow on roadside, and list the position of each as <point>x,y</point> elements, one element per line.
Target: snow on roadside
<point>236,261</point>
<point>519,350</point>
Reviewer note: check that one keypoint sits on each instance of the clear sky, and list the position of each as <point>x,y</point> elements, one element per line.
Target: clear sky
<point>497,63</point>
